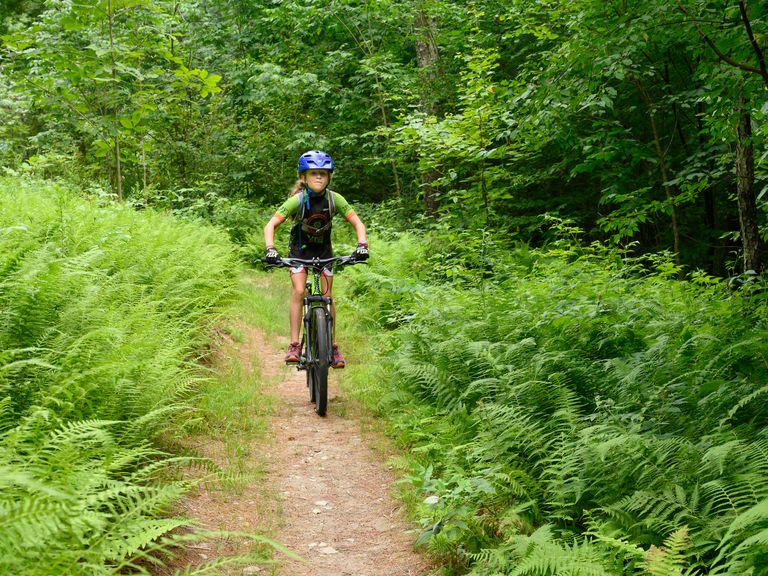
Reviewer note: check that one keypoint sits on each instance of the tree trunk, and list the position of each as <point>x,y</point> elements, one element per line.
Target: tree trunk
<point>745,191</point>
<point>426,58</point>
<point>664,171</point>
<point>752,244</point>
<point>118,166</point>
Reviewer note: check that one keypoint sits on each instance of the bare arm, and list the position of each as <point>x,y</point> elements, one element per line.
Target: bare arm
<point>357,224</point>
<point>269,230</point>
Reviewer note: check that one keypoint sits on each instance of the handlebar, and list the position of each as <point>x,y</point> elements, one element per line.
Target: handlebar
<point>314,263</point>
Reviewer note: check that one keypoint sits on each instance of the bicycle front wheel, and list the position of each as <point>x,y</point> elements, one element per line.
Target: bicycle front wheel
<point>311,384</point>
<point>319,368</point>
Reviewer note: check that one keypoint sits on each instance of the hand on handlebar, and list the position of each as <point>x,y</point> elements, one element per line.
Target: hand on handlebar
<point>272,257</point>
<point>361,252</point>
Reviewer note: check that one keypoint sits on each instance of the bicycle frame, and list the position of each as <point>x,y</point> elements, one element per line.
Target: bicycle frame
<point>317,324</point>
<point>313,299</point>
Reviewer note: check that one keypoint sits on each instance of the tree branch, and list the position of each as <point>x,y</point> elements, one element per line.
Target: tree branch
<point>724,57</point>
<point>755,46</point>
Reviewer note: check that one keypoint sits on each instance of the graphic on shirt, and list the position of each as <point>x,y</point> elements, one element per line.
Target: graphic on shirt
<point>292,206</point>
<point>315,223</point>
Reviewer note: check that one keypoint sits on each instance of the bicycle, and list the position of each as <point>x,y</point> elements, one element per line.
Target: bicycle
<point>317,333</point>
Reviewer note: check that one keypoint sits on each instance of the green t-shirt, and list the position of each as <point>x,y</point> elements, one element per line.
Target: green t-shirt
<point>291,206</point>
<point>311,237</point>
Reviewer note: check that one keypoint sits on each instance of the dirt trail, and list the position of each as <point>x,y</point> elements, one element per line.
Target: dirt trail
<point>330,491</point>
<point>337,509</point>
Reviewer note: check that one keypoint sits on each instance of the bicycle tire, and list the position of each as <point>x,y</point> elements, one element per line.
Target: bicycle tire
<point>319,367</point>
<point>311,384</point>
<point>305,356</point>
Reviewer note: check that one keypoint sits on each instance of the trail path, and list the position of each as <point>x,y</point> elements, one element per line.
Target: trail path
<point>338,511</point>
<point>330,491</point>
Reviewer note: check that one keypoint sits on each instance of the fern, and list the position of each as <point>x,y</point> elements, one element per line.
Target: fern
<point>65,500</point>
<point>744,547</point>
<point>101,312</point>
<point>540,555</point>
<point>671,559</point>
<point>599,398</point>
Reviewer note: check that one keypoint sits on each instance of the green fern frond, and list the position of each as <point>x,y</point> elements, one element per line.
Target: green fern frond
<point>484,388</point>
<point>746,541</point>
<point>515,434</point>
<point>670,560</point>
<point>542,555</point>
<point>742,403</point>
<point>7,416</point>
<point>727,353</point>
<point>84,431</point>
<point>143,427</point>
<point>740,473</point>
<point>142,533</point>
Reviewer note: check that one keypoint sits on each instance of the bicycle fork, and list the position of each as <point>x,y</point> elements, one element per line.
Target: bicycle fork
<point>309,333</point>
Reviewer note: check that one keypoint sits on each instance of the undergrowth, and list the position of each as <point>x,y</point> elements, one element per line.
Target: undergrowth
<point>572,411</point>
<point>104,313</point>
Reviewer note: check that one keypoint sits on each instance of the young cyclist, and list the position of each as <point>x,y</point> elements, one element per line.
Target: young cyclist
<point>311,207</point>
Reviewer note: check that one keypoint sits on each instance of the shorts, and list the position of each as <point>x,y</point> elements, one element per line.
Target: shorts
<point>327,272</point>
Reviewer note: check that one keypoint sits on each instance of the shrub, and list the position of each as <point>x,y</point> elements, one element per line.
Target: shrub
<point>575,410</point>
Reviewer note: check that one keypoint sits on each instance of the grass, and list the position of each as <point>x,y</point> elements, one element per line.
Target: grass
<point>233,401</point>
<point>362,385</point>
<point>233,405</point>
<point>264,301</point>
<point>233,410</point>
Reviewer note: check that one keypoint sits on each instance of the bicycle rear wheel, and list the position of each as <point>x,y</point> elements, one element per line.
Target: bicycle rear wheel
<point>319,367</point>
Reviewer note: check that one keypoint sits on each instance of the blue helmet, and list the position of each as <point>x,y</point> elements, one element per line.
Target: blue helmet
<point>315,160</point>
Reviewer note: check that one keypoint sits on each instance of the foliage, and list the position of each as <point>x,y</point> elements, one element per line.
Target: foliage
<point>618,116</point>
<point>74,501</point>
<point>108,83</point>
<point>577,412</point>
<point>613,115</point>
<point>572,409</point>
<point>104,311</point>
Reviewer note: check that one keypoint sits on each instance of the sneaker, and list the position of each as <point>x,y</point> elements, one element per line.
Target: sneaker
<point>338,359</point>
<point>294,353</point>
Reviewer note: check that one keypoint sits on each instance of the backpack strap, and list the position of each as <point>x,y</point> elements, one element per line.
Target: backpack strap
<point>303,205</point>
<point>331,206</point>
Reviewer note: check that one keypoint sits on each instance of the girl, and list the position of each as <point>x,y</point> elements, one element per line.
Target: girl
<point>312,206</point>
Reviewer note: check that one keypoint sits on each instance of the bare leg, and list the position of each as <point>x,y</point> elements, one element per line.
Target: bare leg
<point>297,298</point>
<point>327,285</point>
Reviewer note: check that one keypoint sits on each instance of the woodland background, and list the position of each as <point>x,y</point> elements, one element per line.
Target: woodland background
<point>567,206</point>
<point>641,122</point>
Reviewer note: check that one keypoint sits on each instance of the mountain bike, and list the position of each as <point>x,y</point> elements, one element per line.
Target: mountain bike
<point>317,326</point>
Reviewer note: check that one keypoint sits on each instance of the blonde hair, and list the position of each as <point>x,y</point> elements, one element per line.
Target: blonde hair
<point>297,187</point>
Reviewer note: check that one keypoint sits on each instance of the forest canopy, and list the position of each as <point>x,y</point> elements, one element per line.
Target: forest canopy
<point>643,123</point>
